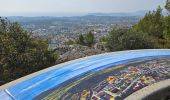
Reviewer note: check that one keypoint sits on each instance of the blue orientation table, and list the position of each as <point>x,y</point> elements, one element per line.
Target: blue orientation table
<point>31,88</point>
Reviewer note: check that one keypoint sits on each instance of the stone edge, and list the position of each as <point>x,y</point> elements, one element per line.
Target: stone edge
<point>149,90</point>
<point>12,83</point>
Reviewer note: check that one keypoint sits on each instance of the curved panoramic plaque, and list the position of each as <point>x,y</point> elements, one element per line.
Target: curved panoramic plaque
<point>102,77</point>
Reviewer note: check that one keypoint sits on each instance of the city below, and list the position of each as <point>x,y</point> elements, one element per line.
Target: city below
<point>58,30</point>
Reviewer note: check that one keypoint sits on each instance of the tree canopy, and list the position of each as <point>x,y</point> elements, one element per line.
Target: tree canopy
<point>86,39</point>
<point>20,53</point>
<point>127,39</point>
<point>152,23</point>
<point>167,6</point>
<point>152,31</point>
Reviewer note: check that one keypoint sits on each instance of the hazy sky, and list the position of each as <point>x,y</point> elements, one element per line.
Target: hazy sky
<point>43,7</point>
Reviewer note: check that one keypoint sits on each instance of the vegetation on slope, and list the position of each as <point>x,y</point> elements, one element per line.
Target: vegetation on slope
<point>20,53</point>
<point>153,31</point>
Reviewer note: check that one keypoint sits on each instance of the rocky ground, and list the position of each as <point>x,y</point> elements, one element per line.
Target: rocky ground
<point>72,52</point>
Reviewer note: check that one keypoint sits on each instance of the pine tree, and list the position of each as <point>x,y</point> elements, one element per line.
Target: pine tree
<point>167,6</point>
<point>80,40</point>
<point>152,23</point>
<point>89,39</point>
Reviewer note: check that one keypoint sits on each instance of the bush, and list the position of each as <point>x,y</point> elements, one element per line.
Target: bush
<point>126,39</point>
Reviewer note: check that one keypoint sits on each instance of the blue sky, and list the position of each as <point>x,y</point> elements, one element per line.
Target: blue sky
<point>45,7</point>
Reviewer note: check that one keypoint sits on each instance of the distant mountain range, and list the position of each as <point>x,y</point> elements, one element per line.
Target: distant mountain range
<point>138,13</point>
